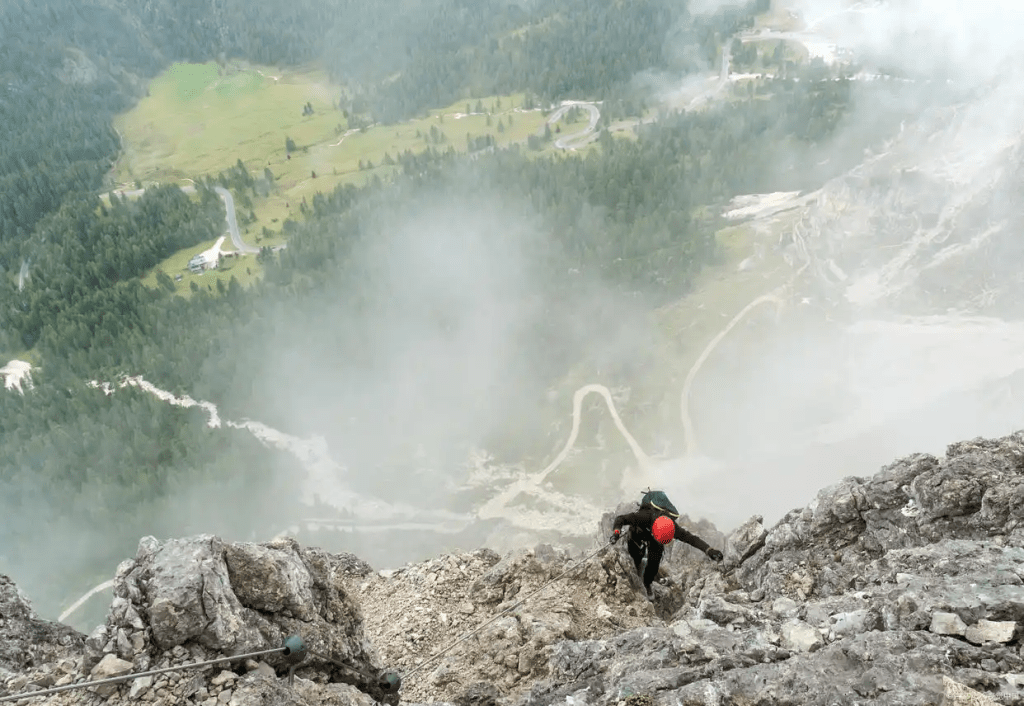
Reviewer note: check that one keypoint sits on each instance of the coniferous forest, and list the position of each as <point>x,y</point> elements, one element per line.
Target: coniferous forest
<point>634,219</point>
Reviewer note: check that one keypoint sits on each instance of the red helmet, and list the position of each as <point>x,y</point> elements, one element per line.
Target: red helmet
<point>664,530</point>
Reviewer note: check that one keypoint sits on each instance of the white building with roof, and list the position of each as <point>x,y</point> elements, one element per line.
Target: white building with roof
<point>208,259</point>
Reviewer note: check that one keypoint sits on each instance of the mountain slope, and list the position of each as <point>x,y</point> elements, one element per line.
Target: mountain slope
<point>902,588</point>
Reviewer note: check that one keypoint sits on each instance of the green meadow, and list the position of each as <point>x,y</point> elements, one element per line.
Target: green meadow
<point>203,118</point>
<point>199,119</point>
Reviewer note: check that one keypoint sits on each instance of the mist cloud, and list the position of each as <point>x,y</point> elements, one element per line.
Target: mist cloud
<point>431,359</point>
<point>785,408</point>
<point>965,42</point>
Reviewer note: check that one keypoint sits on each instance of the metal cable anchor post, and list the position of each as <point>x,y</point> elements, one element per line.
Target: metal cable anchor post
<point>294,652</point>
<point>390,682</point>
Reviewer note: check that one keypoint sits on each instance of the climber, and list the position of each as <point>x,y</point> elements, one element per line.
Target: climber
<point>653,526</point>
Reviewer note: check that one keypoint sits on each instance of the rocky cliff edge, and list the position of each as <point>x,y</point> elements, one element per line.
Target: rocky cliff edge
<point>905,588</point>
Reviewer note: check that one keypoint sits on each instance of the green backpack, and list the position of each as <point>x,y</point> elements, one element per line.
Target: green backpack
<point>659,501</point>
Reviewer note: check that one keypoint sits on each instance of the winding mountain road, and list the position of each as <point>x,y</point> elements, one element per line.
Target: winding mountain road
<point>500,505</point>
<point>229,206</point>
<point>576,139</point>
<point>689,435</point>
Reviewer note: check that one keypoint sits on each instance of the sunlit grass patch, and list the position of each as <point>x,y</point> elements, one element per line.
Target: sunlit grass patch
<point>239,84</point>
<point>202,118</point>
<point>186,82</point>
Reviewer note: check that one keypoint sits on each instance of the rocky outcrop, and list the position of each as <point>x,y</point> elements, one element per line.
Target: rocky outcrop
<point>884,591</point>
<point>198,599</point>
<point>34,653</point>
<point>905,588</point>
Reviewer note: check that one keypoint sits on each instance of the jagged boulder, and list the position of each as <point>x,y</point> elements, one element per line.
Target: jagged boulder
<point>745,541</point>
<point>956,694</point>
<point>28,644</point>
<point>198,598</point>
<point>844,540</point>
<point>256,689</point>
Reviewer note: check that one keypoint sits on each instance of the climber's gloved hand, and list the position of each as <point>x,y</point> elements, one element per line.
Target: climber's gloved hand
<point>615,536</point>
<point>714,554</point>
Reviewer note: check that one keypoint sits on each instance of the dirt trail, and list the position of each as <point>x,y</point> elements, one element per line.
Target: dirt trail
<point>532,486</point>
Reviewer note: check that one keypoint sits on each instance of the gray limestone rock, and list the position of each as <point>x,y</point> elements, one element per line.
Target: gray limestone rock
<point>947,624</point>
<point>798,636</point>
<point>479,694</point>
<point>856,621</point>
<point>27,641</point>
<point>216,598</point>
<point>189,597</point>
<point>723,611</point>
<point>271,579</point>
<point>785,607</point>
<point>991,631</point>
<point>956,694</point>
<point>256,689</point>
<point>108,667</point>
<point>139,686</point>
<point>745,541</point>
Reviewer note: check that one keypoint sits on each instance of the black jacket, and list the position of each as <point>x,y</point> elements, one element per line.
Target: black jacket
<point>643,520</point>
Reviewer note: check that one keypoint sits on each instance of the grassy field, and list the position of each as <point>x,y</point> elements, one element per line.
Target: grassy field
<point>202,118</point>
<point>337,160</point>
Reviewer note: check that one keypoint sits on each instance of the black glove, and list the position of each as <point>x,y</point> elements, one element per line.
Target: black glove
<point>615,537</point>
<point>714,554</point>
